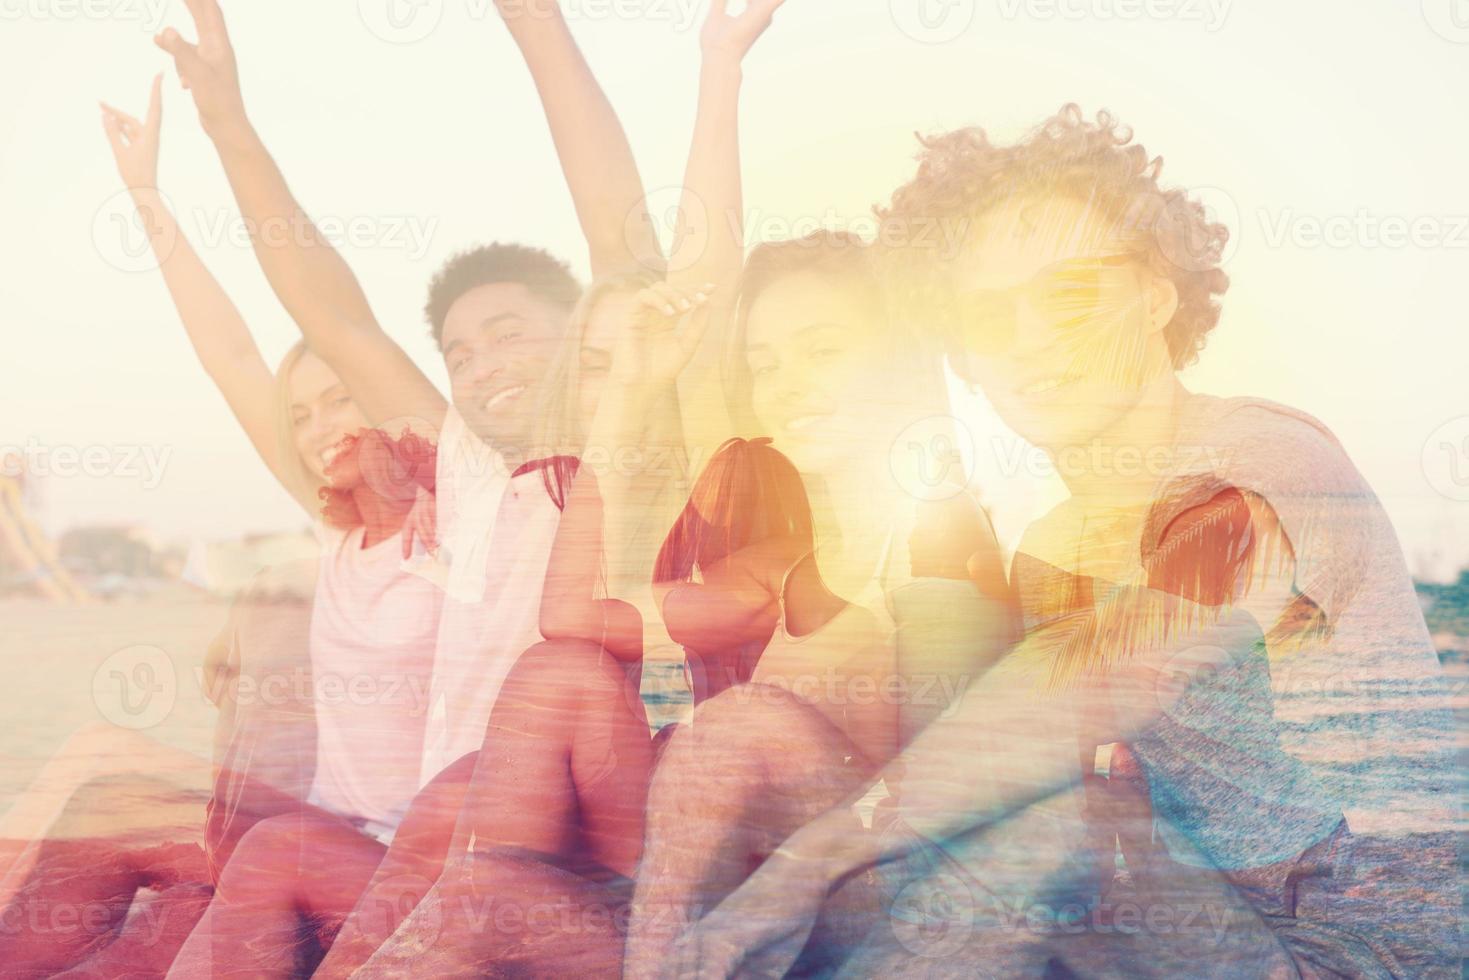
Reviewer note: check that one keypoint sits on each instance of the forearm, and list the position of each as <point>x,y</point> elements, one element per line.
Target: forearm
<point>570,606</point>
<point>313,281</point>
<point>322,295</point>
<point>633,437</point>
<point>606,187</point>
<point>1009,719</point>
<point>710,245</point>
<point>213,323</point>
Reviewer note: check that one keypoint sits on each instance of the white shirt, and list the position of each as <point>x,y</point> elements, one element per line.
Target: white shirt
<point>373,634</point>
<point>495,533</point>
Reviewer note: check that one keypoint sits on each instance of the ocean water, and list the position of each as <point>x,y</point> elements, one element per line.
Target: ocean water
<point>1383,739</point>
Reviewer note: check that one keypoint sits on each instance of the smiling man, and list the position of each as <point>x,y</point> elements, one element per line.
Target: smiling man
<point>500,314</point>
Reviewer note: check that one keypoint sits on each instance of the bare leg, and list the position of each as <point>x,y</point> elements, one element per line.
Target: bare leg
<point>79,886</point>
<point>755,765</point>
<point>93,753</point>
<point>152,936</point>
<point>309,865</point>
<point>412,864</point>
<point>555,816</point>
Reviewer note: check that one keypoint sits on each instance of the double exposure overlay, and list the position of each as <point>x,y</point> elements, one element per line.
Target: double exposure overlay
<point>435,541</point>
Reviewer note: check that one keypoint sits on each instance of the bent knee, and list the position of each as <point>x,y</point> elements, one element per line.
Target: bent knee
<point>763,711</point>
<point>570,667</point>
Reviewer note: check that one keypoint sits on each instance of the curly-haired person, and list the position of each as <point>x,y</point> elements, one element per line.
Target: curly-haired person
<point>1222,645</point>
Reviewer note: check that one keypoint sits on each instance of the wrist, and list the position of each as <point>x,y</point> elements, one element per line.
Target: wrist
<point>231,132</point>
<point>525,18</point>
<point>720,65</point>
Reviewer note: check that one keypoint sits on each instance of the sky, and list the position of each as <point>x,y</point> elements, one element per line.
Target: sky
<point>1329,137</point>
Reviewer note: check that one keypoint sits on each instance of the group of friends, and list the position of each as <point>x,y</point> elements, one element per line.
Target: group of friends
<point>907,754</point>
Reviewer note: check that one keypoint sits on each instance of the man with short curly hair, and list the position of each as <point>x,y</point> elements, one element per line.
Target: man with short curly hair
<point>1218,564</point>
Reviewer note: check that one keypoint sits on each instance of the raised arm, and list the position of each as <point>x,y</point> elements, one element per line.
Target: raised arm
<point>570,606</point>
<point>216,330</point>
<point>311,278</point>
<point>763,925</point>
<point>710,242</point>
<point>595,156</point>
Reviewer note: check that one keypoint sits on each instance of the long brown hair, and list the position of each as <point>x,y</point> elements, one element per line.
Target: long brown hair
<point>747,493</point>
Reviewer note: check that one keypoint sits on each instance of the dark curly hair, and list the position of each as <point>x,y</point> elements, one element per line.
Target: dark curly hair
<point>962,175</point>
<point>546,276</point>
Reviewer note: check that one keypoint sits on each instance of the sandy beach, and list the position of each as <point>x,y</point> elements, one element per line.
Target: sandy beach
<point>131,663</point>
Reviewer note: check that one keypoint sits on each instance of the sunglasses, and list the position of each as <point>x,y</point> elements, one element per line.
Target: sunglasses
<point>1070,294</point>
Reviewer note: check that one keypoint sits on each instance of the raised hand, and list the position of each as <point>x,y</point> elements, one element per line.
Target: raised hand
<point>135,144</point>
<point>732,37</point>
<point>208,69</point>
<point>662,335</point>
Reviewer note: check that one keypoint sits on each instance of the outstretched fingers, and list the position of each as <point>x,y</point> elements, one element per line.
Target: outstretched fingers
<point>112,126</point>
<point>208,18</point>
<point>185,55</point>
<point>155,103</point>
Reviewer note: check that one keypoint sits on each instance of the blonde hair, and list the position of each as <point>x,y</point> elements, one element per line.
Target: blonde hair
<point>558,421</point>
<point>294,473</point>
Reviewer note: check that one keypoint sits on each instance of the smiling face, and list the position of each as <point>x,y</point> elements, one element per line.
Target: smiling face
<point>499,343</point>
<point>323,414</point>
<point>1057,322</point>
<point>819,357</point>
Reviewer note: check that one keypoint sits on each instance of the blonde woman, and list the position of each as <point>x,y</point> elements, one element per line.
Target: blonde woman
<point>367,623</point>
